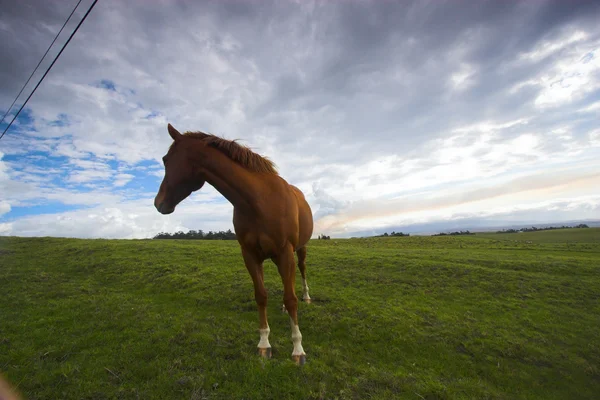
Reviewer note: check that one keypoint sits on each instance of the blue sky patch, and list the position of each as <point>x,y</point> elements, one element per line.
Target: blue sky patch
<point>63,120</point>
<point>107,84</point>
<point>46,208</point>
<point>153,114</point>
<point>23,122</point>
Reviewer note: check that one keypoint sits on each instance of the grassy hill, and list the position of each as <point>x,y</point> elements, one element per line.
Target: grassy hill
<point>482,316</point>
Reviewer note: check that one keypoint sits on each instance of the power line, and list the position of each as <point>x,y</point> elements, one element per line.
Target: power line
<point>38,65</point>
<point>50,67</point>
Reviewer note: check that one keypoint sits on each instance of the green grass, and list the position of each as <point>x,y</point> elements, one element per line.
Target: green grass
<point>477,317</point>
<point>575,235</point>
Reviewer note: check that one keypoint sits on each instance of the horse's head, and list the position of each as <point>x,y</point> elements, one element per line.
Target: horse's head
<point>181,177</point>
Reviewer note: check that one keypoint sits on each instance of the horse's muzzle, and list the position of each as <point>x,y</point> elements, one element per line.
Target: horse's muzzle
<point>163,209</point>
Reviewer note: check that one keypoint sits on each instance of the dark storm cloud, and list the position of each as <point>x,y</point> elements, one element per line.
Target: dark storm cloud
<point>360,45</point>
<point>27,29</point>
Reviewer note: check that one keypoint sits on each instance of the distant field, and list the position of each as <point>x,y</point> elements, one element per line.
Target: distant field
<point>584,235</point>
<point>476,317</point>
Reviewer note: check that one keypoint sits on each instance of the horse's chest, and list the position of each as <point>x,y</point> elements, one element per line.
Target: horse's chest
<point>262,241</point>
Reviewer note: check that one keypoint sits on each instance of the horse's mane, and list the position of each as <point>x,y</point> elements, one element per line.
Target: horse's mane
<point>237,152</point>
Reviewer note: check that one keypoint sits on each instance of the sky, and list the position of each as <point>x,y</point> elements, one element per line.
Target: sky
<point>388,115</point>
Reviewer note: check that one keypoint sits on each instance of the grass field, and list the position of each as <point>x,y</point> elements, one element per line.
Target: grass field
<point>566,236</point>
<point>513,316</point>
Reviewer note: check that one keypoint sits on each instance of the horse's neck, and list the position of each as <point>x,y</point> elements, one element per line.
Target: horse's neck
<point>230,179</point>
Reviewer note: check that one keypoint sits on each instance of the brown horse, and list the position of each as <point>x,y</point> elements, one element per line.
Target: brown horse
<point>7,392</point>
<point>271,217</point>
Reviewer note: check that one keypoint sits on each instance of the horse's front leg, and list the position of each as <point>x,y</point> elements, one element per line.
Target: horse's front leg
<point>255,268</point>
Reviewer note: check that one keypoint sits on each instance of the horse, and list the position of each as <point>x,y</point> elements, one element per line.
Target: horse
<point>271,217</point>
<point>7,391</point>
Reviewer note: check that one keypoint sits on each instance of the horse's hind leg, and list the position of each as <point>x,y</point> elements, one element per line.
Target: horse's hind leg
<point>255,268</point>
<point>287,269</point>
<point>302,267</point>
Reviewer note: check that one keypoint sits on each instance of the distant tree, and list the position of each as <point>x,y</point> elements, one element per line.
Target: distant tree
<point>508,231</point>
<point>399,234</point>
<point>467,232</point>
<point>385,234</point>
<point>198,235</point>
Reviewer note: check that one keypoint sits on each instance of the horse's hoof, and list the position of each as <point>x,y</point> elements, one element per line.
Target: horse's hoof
<point>299,360</point>
<point>308,301</point>
<point>265,353</point>
<point>283,309</point>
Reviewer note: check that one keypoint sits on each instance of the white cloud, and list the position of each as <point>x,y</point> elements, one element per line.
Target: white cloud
<point>425,209</point>
<point>5,228</point>
<point>462,79</point>
<point>474,171</point>
<point>122,179</point>
<point>89,175</point>
<point>4,207</point>
<point>3,168</point>
<point>568,69</point>
<point>571,78</point>
<point>129,220</point>
<point>548,48</point>
<point>595,137</point>
<point>592,108</point>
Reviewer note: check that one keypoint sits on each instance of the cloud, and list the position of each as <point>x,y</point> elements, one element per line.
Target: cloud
<point>87,171</point>
<point>122,179</point>
<point>3,169</point>
<point>381,112</point>
<point>4,207</point>
<point>534,192</point>
<point>128,220</point>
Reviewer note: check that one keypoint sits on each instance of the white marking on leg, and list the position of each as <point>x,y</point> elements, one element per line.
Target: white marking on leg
<point>296,339</point>
<point>264,338</point>
<point>305,295</point>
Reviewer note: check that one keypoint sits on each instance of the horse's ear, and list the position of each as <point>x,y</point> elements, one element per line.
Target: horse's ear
<point>174,133</point>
